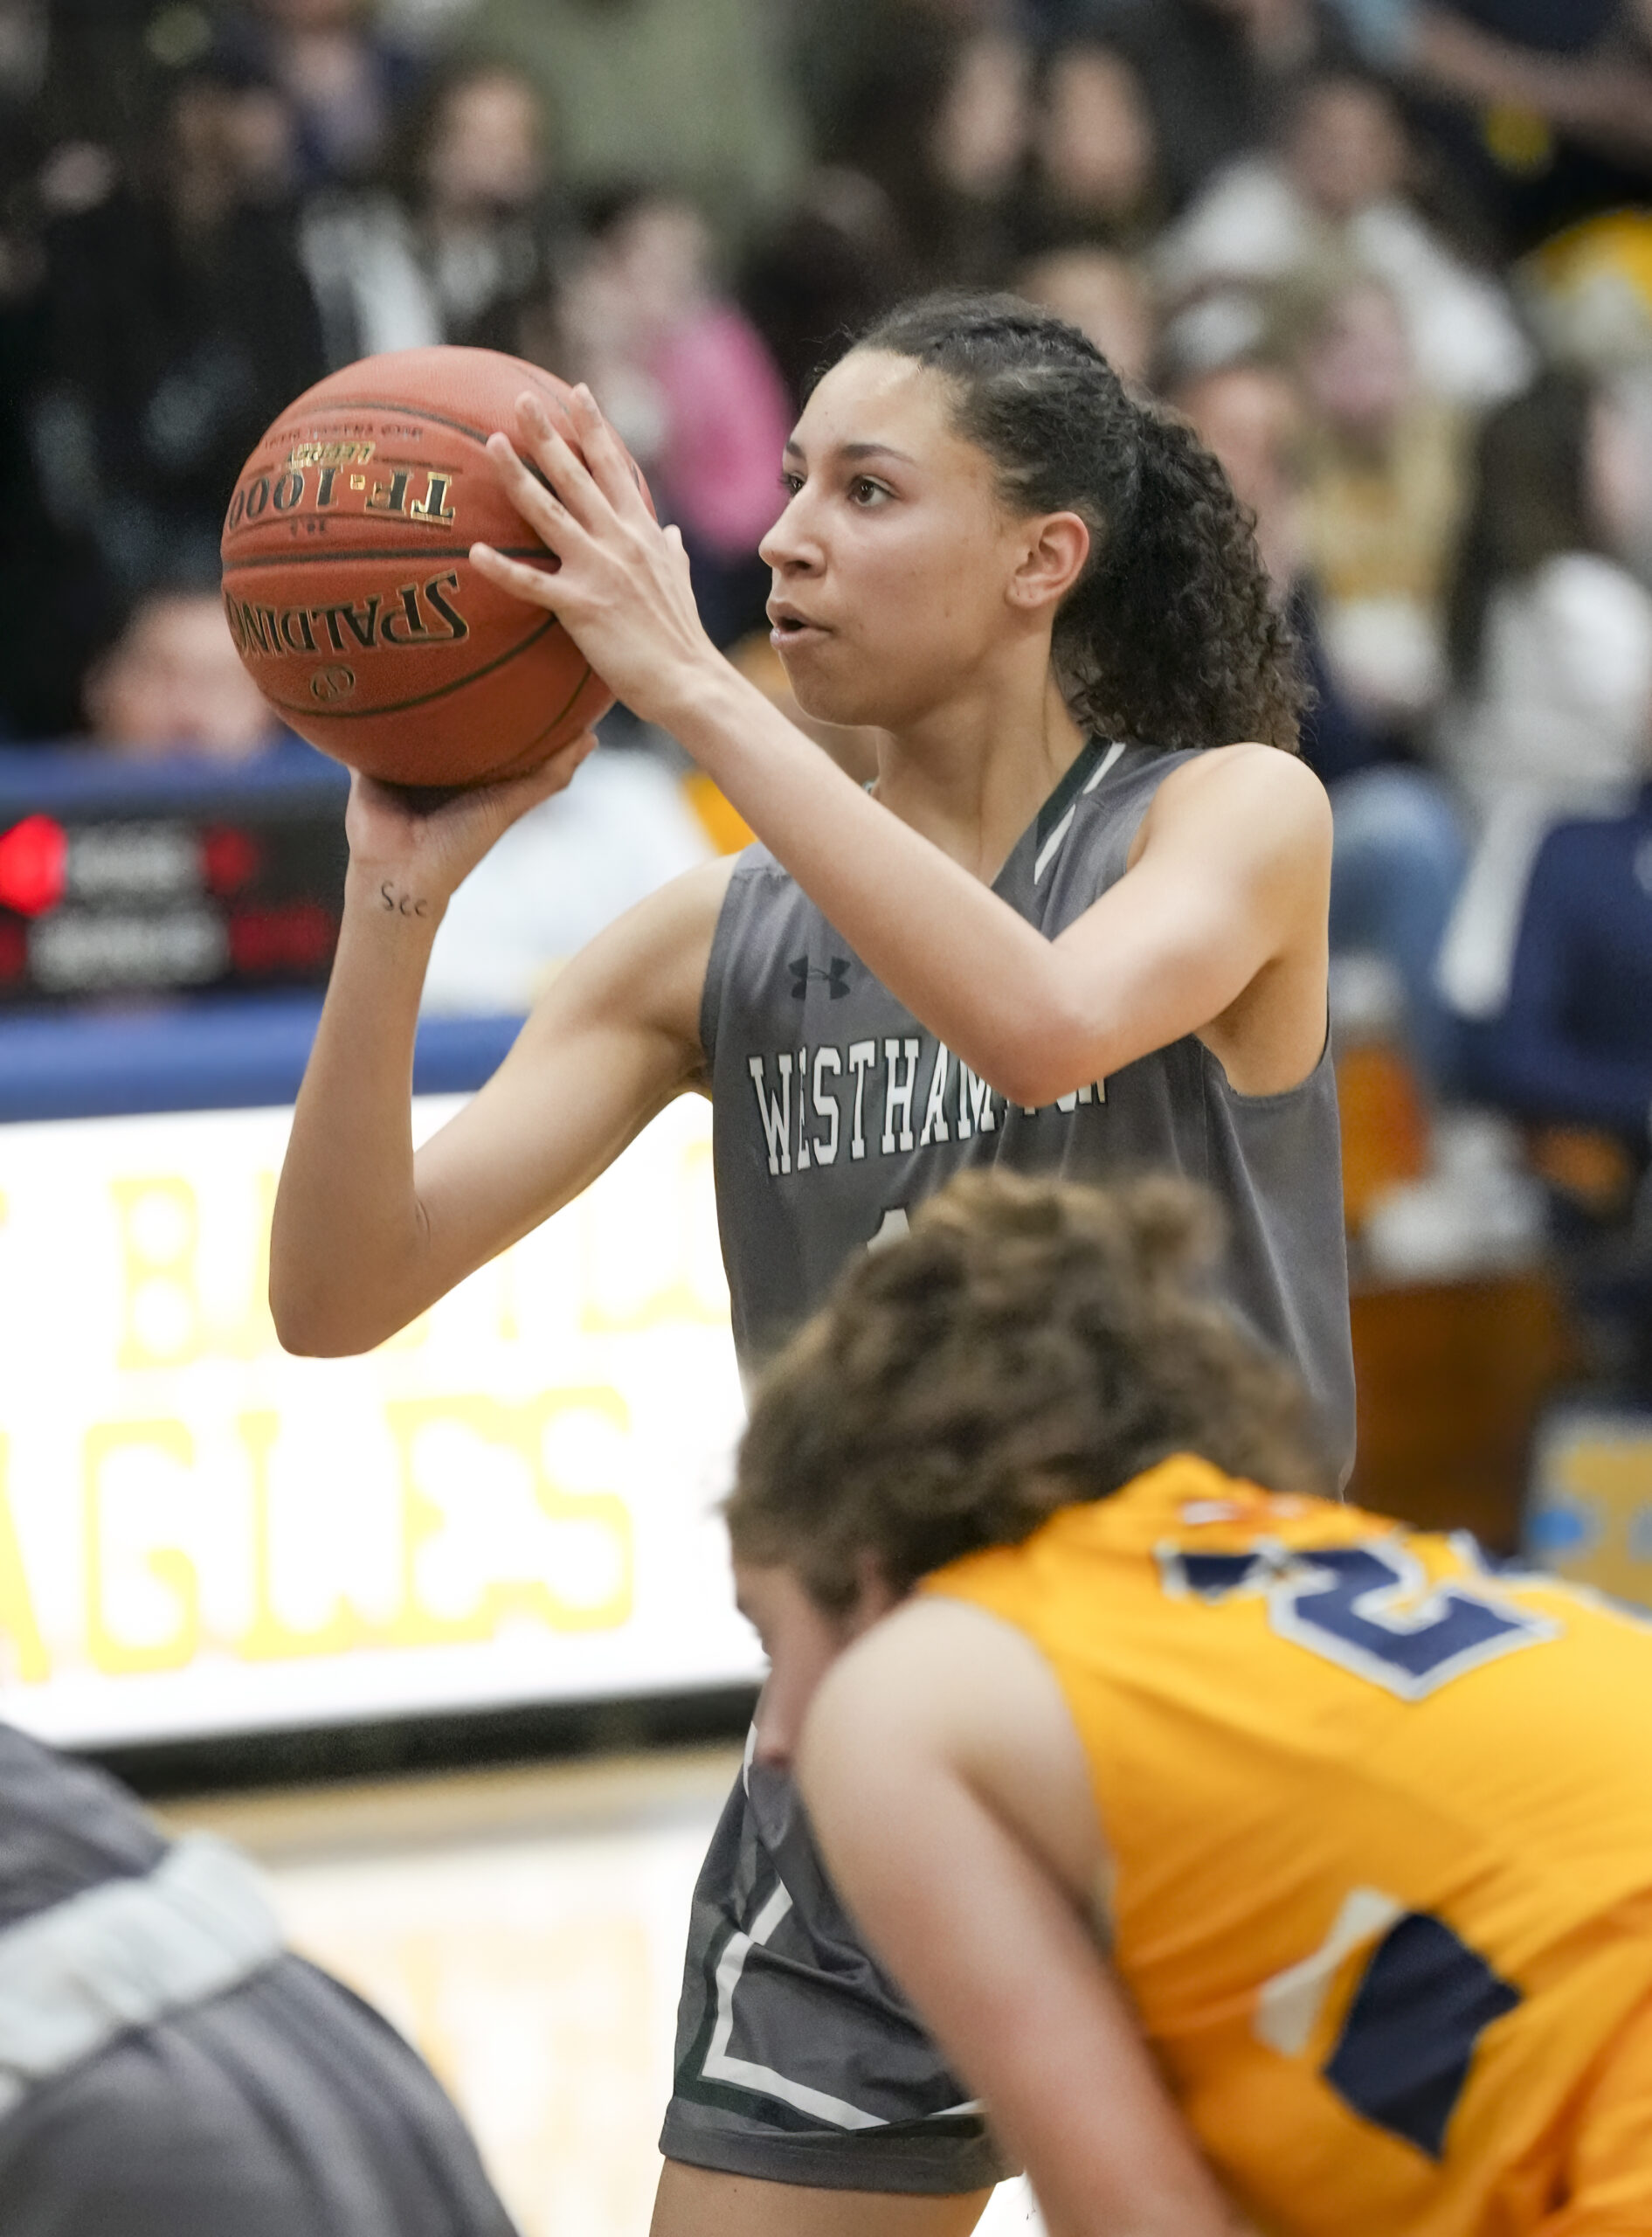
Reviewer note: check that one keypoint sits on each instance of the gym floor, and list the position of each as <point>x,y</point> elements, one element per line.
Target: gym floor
<point>525,1929</point>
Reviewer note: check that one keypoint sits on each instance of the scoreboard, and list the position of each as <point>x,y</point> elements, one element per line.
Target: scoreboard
<point>117,882</point>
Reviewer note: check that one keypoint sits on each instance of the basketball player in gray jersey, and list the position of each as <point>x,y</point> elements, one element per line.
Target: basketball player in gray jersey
<point>1078,923</point>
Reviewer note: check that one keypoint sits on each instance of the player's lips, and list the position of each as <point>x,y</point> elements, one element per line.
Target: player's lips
<point>789,628</point>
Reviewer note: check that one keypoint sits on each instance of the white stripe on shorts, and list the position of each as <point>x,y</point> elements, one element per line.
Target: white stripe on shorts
<point>763,2080</point>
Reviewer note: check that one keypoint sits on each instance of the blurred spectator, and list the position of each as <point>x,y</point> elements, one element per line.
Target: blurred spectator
<point>26,48</point>
<point>474,230</point>
<point>1383,496</point>
<point>176,323</point>
<point>1551,652</point>
<point>566,870</point>
<point>961,211</point>
<point>76,91</point>
<point>68,96</point>
<point>1589,292</point>
<point>696,99</point>
<point>1573,1041</point>
<point>938,114</point>
<point>172,682</point>
<point>1398,855</point>
<point>170,321</point>
<point>1219,324</point>
<point>826,268</point>
<point>1212,71</point>
<point>1105,295</point>
<point>1252,416</point>
<point>1544,105</point>
<point>1571,1052</point>
<point>1336,188</point>
<point>343,79</point>
<point>690,386</point>
<point>1095,152</point>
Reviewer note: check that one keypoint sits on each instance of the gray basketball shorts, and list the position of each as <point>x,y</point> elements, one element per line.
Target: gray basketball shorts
<point>799,2061</point>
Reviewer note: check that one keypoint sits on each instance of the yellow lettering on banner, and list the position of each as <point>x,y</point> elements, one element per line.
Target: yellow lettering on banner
<point>169,1565</point>
<point>675,1295</point>
<point>164,1322</point>
<point>518,1430</point>
<point>161,1304</point>
<point>268,1637</point>
<point>18,1626</point>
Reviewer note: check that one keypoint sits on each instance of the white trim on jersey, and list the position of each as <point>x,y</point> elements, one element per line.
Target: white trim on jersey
<point>1289,2005</point>
<point>1047,852</point>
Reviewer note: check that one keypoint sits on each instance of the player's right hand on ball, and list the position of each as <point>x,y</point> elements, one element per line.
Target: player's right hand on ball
<point>425,844</point>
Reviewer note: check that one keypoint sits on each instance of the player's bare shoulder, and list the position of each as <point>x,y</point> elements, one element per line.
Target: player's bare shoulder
<point>941,1681</point>
<point>1257,794</point>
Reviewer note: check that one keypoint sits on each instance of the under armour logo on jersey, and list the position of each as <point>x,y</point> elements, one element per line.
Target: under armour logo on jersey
<point>836,976</point>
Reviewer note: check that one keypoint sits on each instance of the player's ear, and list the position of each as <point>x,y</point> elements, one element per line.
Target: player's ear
<point>1056,547</point>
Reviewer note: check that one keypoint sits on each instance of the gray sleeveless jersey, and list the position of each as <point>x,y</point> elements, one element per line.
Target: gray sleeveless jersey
<point>835,1111</point>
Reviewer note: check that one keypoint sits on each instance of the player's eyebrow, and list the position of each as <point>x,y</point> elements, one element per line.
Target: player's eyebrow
<point>855,452</point>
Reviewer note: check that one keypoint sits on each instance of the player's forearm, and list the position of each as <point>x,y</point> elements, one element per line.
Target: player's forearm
<point>986,982</point>
<point>345,1243</point>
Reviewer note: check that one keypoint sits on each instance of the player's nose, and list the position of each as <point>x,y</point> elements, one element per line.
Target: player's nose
<point>789,547</point>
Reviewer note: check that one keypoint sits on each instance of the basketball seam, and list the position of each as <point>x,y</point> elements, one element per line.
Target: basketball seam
<point>415,411</point>
<point>402,706</point>
<point>588,676</point>
<point>338,556</point>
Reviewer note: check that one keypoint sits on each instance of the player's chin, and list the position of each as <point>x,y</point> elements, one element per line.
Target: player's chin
<point>825,683</point>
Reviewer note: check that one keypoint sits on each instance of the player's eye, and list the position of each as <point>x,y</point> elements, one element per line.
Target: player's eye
<point>864,491</point>
<point>791,483</point>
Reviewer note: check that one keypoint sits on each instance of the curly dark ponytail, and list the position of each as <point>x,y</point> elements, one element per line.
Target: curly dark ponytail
<point>1169,637</point>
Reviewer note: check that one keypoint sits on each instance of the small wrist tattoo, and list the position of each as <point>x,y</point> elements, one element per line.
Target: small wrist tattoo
<point>401,904</point>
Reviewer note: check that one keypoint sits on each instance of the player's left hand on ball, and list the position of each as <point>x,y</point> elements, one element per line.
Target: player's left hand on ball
<point>622,589</point>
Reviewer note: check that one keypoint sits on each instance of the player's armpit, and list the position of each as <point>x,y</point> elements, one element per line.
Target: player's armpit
<point>989,1946</point>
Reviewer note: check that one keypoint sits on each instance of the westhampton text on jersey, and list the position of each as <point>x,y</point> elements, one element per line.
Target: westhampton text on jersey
<point>875,1098</point>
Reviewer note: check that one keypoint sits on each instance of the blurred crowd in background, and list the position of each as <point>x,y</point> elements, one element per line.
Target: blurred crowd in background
<point>1392,259</point>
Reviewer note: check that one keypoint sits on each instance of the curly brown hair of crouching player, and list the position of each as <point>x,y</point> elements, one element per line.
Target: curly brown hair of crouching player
<point>1029,1344</point>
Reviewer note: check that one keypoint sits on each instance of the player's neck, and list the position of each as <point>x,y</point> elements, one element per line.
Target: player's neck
<point>972,775</point>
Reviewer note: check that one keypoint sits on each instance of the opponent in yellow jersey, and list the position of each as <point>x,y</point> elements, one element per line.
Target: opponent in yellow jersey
<point>1251,1855</point>
<point>1379,1827</point>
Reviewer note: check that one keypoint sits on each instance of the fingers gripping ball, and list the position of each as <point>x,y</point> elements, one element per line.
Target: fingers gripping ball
<point>348,586</point>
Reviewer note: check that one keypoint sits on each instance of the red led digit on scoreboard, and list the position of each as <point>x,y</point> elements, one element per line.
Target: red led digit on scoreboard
<point>34,866</point>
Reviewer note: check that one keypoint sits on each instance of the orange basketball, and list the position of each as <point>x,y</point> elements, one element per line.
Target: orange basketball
<point>348,581</point>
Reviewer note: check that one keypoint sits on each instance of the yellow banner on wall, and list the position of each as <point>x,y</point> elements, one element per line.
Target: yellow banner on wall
<point>510,1501</point>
